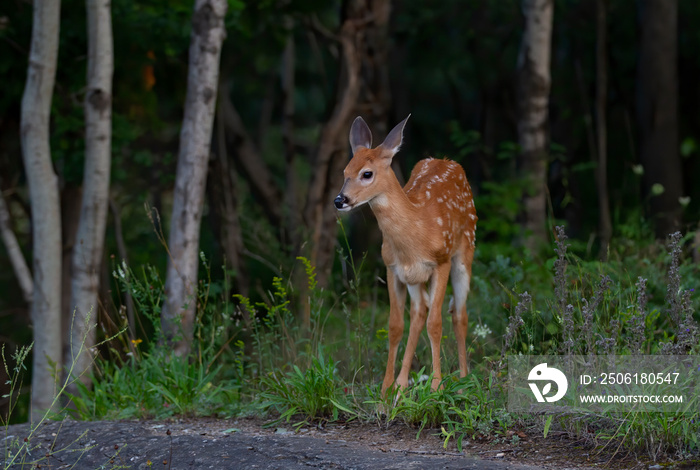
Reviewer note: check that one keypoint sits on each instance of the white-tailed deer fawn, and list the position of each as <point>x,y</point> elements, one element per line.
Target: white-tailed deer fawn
<point>428,229</point>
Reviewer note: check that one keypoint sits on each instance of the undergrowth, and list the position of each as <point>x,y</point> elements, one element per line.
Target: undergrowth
<point>255,356</point>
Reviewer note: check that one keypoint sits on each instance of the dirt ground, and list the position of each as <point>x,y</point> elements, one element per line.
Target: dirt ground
<point>245,443</point>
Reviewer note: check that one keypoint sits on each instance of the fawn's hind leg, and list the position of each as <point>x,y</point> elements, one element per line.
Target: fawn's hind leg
<point>460,275</point>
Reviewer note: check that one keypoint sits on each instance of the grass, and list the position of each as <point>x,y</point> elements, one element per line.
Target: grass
<point>313,395</point>
<point>254,356</point>
<point>155,385</point>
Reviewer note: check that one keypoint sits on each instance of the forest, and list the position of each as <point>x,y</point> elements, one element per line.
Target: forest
<point>168,172</point>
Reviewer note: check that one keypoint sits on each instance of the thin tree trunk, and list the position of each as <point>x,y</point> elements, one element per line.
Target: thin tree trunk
<point>123,256</point>
<point>332,153</point>
<point>223,207</point>
<point>376,95</point>
<point>43,193</point>
<point>250,162</point>
<point>89,246</point>
<point>14,252</point>
<point>601,102</point>
<point>375,105</point>
<point>208,32</point>
<point>533,101</point>
<point>293,232</point>
<point>267,108</point>
<point>292,222</point>
<point>657,112</point>
<point>71,201</point>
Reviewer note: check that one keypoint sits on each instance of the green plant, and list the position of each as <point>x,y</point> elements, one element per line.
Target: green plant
<point>316,394</point>
<point>15,378</point>
<point>479,412</point>
<point>420,406</point>
<point>272,328</point>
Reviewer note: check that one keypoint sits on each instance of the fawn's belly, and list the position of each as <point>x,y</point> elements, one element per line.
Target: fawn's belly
<point>413,273</point>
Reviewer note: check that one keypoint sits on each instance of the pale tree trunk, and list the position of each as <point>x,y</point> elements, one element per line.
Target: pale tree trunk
<point>657,112</point>
<point>533,77</point>
<point>89,243</point>
<point>43,193</point>
<point>14,252</point>
<point>601,102</point>
<point>208,33</point>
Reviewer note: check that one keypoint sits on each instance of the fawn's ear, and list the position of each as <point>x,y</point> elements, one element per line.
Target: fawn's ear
<point>393,141</point>
<point>360,135</point>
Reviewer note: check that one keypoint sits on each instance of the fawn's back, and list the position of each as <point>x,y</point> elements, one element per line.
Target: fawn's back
<point>442,189</point>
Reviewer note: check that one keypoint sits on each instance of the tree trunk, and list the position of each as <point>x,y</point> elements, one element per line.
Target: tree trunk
<point>71,200</point>
<point>362,22</point>
<point>43,192</point>
<point>89,246</point>
<point>177,316</point>
<point>121,250</point>
<point>601,103</point>
<point>375,105</point>
<point>533,77</point>
<point>223,207</point>
<point>292,217</point>
<point>657,112</point>
<point>375,95</point>
<point>249,160</point>
<point>331,154</point>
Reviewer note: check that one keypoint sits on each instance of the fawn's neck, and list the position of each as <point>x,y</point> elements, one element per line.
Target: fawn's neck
<point>397,216</point>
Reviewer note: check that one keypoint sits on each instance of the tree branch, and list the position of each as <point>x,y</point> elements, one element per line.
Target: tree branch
<point>19,264</point>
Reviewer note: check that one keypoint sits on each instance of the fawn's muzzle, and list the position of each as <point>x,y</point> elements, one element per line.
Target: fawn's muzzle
<point>340,201</point>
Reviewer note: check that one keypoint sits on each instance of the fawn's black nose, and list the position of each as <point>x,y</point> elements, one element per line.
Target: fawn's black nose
<point>340,201</point>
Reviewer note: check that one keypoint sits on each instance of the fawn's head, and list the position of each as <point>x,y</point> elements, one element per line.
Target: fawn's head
<point>369,170</point>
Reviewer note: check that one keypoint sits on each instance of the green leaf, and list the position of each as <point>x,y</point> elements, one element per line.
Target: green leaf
<point>688,147</point>
<point>547,424</point>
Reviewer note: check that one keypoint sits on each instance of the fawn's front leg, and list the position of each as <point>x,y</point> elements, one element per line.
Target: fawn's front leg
<point>397,302</point>
<point>419,312</point>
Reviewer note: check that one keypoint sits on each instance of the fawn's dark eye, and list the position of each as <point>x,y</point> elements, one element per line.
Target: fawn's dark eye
<point>366,175</point>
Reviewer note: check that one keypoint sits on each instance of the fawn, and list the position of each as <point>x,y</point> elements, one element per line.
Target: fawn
<point>428,231</point>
